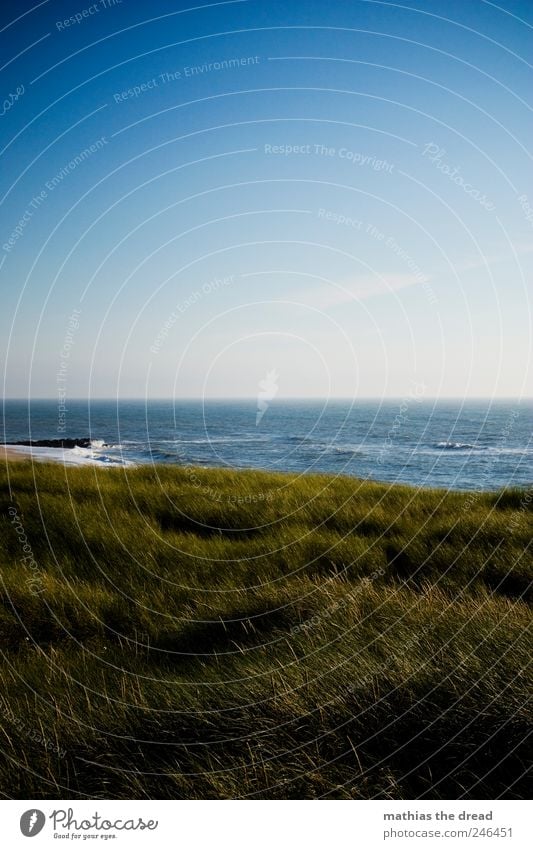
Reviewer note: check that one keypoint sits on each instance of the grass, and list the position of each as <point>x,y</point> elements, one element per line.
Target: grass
<point>215,634</point>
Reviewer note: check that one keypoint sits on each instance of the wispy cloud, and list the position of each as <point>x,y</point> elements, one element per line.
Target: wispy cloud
<point>480,261</point>
<point>360,288</point>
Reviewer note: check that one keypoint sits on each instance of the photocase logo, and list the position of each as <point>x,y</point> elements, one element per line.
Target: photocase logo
<point>32,822</point>
<point>268,389</point>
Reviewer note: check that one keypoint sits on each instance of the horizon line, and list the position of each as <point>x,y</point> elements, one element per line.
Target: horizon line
<point>253,398</point>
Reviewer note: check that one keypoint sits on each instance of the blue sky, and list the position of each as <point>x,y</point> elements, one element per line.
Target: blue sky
<point>339,191</point>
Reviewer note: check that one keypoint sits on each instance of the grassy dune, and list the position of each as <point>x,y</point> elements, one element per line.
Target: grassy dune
<point>212,634</point>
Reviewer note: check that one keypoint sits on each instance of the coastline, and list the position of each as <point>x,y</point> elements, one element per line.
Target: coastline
<point>66,456</point>
<point>69,457</point>
<point>478,446</point>
<point>83,458</point>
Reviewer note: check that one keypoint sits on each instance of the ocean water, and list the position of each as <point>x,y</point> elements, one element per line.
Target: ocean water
<point>457,445</point>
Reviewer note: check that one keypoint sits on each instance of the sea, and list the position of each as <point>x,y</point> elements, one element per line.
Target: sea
<point>461,445</point>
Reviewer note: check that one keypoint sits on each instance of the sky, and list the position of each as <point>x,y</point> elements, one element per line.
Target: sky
<point>195,196</point>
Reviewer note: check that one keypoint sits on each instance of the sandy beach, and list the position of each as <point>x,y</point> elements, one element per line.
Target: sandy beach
<point>8,453</point>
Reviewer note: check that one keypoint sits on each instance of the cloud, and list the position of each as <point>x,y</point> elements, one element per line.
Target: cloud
<point>361,288</point>
<point>481,261</point>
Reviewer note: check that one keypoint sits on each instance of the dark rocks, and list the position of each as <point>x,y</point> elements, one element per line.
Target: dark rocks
<point>84,442</point>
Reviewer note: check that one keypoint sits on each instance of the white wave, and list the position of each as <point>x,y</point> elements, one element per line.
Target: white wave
<point>69,456</point>
<point>459,446</point>
<point>215,440</point>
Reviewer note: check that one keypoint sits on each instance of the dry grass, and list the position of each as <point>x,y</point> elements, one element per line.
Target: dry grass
<point>254,635</point>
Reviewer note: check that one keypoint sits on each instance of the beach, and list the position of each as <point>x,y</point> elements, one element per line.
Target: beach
<point>13,453</point>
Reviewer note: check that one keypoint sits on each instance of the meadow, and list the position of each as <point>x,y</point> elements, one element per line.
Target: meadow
<point>178,633</point>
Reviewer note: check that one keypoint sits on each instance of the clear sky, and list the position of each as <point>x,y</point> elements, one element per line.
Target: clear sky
<point>339,191</point>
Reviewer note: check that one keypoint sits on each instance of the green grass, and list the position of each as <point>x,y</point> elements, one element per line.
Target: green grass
<point>224,635</point>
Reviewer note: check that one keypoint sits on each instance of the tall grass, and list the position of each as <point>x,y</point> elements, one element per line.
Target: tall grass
<point>217,634</point>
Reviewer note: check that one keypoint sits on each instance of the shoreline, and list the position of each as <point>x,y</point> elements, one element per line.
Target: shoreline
<point>65,456</point>
<point>18,453</point>
<point>10,452</point>
<point>445,448</point>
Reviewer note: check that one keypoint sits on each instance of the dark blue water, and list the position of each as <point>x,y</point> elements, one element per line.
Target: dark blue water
<point>458,445</point>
